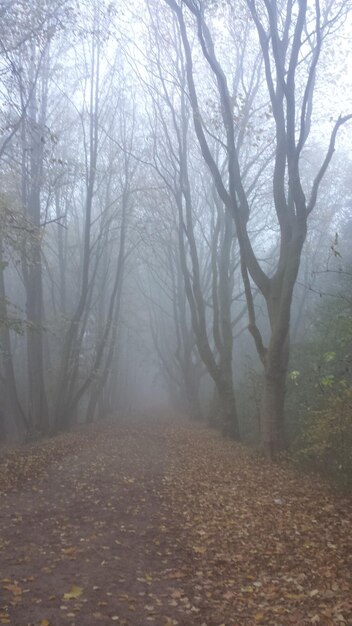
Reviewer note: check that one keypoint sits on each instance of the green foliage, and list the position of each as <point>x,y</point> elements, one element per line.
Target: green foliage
<point>294,376</point>
<point>326,382</point>
<point>326,440</point>
<point>320,389</point>
<point>329,356</point>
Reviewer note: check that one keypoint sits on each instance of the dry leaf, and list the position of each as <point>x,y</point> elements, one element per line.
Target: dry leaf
<point>75,592</point>
<point>199,550</point>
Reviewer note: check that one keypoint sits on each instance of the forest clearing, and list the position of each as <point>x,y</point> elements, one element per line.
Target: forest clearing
<point>167,523</point>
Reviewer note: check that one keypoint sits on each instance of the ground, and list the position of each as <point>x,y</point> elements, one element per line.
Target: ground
<point>160,522</point>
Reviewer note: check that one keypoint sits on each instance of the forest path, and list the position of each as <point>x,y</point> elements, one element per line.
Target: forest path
<point>165,523</point>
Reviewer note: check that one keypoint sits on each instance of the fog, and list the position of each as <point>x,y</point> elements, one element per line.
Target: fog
<point>175,213</point>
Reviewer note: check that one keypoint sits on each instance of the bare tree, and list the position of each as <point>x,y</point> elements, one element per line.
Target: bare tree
<point>171,161</point>
<point>290,83</point>
<point>172,334</point>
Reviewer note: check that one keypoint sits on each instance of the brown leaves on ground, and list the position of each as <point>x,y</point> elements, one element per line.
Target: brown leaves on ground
<point>33,460</point>
<point>152,523</point>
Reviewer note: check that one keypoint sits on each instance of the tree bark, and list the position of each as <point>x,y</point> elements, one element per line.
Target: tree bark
<point>34,133</point>
<point>272,414</point>
<point>13,403</point>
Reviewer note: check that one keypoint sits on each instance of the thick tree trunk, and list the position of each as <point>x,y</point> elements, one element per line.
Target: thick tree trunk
<point>272,417</point>
<point>228,410</point>
<point>223,410</point>
<point>275,361</point>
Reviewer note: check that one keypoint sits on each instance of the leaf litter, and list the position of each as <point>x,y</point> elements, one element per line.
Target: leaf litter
<point>165,523</point>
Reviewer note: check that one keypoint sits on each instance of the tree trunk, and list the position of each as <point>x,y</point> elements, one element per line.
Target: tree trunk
<point>272,422</point>
<point>93,402</point>
<point>275,361</point>
<point>228,410</point>
<point>38,406</point>
<point>13,403</point>
<point>223,410</point>
<point>32,172</point>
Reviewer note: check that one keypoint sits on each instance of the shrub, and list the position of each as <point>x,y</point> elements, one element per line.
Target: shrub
<point>326,439</point>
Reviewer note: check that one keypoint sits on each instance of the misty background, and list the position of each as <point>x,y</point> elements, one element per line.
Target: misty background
<point>125,276</point>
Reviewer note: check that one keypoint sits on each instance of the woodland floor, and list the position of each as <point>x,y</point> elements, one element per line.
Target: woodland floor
<point>165,523</point>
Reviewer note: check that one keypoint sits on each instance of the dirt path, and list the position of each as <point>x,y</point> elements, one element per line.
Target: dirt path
<point>154,523</point>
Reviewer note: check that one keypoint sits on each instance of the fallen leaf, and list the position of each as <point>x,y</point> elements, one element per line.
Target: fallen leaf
<point>228,595</point>
<point>199,550</point>
<point>15,589</point>
<point>75,592</point>
<point>176,575</point>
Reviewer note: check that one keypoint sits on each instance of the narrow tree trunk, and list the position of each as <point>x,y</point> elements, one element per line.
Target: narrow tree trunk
<point>93,401</point>
<point>38,406</point>
<point>33,134</point>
